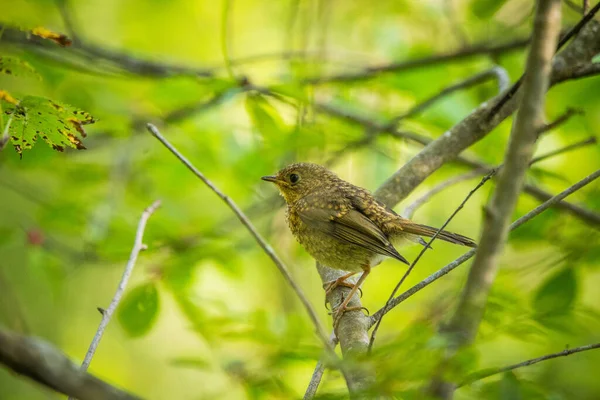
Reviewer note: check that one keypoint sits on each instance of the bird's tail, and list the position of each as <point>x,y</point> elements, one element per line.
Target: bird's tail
<point>428,231</point>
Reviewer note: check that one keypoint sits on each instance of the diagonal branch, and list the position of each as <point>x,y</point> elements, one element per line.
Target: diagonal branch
<point>107,313</point>
<point>476,376</point>
<point>48,366</point>
<point>416,204</point>
<point>138,246</point>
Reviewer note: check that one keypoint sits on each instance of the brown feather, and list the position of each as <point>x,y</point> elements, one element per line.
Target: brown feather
<point>428,231</point>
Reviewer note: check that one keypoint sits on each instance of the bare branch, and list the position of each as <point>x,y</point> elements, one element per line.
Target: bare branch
<point>411,208</point>
<point>464,323</point>
<point>315,380</point>
<point>476,376</point>
<point>317,375</point>
<point>563,40</point>
<point>259,239</point>
<point>496,72</point>
<point>43,363</point>
<point>107,313</point>
<point>468,255</point>
<point>83,51</point>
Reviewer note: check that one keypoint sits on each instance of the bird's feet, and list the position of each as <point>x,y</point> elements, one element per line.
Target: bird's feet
<point>341,310</point>
<point>341,281</point>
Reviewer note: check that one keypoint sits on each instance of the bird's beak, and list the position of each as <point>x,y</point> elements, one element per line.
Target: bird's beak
<point>270,178</point>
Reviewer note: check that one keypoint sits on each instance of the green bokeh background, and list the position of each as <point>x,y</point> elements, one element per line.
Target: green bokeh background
<point>206,314</point>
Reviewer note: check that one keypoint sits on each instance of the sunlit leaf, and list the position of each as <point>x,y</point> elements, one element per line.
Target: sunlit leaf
<point>139,309</point>
<point>14,66</point>
<point>59,125</point>
<point>557,294</point>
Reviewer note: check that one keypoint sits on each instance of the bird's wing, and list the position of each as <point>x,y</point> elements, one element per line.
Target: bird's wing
<point>348,225</point>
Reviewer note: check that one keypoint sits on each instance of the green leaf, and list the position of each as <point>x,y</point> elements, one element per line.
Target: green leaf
<point>139,309</point>
<point>14,66</point>
<point>59,125</point>
<point>264,116</point>
<point>510,387</point>
<point>486,8</point>
<point>557,294</point>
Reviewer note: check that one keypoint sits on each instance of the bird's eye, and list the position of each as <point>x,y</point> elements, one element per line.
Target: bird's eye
<point>294,178</point>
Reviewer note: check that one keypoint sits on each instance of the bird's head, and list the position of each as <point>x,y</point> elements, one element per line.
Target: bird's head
<point>298,180</point>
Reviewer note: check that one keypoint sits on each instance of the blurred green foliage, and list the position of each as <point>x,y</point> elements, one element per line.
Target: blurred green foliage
<point>206,314</point>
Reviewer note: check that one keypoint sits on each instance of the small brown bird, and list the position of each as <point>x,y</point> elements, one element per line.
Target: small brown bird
<point>343,226</point>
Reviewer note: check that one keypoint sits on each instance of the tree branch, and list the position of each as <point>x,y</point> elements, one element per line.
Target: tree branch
<point>138,246</point>
<point>468,255</point>
<point>412,208</point>
<point>43,363</point>
<point>464,323</point>
<point>476,376</point>
<point>496,72</point>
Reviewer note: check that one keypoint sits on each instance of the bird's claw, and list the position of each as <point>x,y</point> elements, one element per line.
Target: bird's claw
<point>360,295</point>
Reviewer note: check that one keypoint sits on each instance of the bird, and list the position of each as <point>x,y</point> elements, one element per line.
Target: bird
<point>344,226</point>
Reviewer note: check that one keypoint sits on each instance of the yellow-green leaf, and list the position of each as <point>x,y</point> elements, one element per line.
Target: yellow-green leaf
<point>59,125</point>
<point>139,309</point>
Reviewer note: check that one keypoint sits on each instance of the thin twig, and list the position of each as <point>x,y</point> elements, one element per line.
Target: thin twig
<point>65,13</point>
<point>468,255</point>
<point>427,246</point>
<point>4,139</point>
<point>567,36</point>
<point>574,146</point>
<point>259,239</point>
<point>226,36</point>
<point>315,379</point>
<point>412,208</point>
<point>107,313</point>
<point>476,376</point>
<point>496,72</point>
